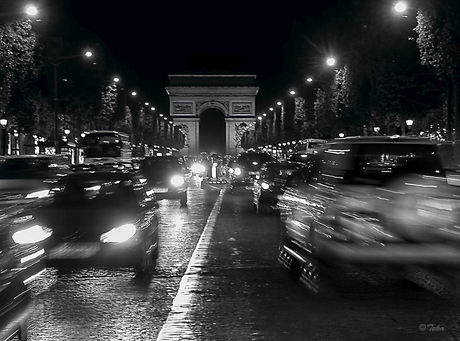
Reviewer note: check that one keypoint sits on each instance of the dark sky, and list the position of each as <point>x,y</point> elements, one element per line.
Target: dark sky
<point>152,39</point>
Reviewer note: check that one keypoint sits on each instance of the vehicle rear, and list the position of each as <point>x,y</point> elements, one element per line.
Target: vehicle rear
<point>167,176</point>
<point>246,168</point>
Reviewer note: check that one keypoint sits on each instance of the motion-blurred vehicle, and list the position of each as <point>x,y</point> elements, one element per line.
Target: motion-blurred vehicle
<point>102,218</point>
<point>246,167</point>
<point>309,146</point>
<point>22,259</point>
<point>381,201</point>
<point>101,146</point>
<point>272,181</point>
<point>167,177</point>
<point>25,178</point>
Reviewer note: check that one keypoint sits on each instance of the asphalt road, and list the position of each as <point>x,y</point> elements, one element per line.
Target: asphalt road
<point>218,278</point>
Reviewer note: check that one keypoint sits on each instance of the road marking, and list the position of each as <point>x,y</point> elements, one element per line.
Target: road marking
<point>176,326</point>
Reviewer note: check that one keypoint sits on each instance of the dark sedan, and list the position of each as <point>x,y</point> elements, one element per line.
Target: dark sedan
<point>25,178</point>
<point>382,201</point>
<point>246,167</point>
<point>102,218</point>
<point>22,255</point>
<point>167,176</point>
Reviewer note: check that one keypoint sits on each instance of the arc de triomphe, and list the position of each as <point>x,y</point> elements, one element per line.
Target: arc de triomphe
<point>191,94</point>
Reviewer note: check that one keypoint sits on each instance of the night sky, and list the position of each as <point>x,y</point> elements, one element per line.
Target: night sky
<point>151,39</point>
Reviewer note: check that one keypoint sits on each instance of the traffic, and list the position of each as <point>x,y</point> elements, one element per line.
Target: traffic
<point>389,202</point>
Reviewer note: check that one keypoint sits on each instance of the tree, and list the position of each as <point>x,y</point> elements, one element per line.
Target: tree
<point>17,60</point>
<point>438,28</point>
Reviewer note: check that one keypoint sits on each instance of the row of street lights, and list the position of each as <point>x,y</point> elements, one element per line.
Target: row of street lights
<point>331,61</point>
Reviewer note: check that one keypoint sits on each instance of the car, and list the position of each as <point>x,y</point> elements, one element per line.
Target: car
<point>25,178</point>
<point>167,177</point>
<point>392,201</point>
<point>273,179</point>
<point>102,219</point>
<point>22,260</point>
<point>245,168</point>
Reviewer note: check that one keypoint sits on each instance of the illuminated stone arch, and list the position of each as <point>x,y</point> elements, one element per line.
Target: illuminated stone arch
<point>190,95</point>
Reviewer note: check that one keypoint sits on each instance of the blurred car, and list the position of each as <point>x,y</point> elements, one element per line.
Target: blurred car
<point>24,178</point>
<point>22,260</point>
<point>102,218</point>
<point>167,176</point>
<point>246,168</point>
<point>273,179</point>
<point>105,166</point>
<point>382,201</point>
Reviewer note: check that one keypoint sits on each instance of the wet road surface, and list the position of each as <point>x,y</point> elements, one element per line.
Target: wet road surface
<point>109,304</point>
<point>233,289</point>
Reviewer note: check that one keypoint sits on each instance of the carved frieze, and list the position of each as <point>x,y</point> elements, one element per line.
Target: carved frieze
<point>182,108</point>
<point>242,108</point>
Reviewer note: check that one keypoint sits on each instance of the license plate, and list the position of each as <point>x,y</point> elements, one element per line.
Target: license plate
<point>160,190</point>
<point>74,250</point>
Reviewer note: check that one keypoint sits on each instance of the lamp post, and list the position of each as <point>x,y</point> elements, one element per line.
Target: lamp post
<point>55,62</point>
<point>4,123</point>
<point>409,124</point>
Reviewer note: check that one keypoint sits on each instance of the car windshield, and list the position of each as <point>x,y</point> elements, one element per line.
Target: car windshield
<point>94,191</point>
<point>253,159</point>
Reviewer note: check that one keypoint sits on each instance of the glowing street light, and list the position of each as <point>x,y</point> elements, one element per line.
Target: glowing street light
<point>400,7</point>
<point>330,61</point>
<point>31,10</point>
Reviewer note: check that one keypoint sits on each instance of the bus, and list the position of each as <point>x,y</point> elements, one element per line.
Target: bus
<point>105,146</point>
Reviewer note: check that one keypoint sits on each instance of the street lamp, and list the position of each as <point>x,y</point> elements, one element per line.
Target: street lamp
<point>55,62</point>
<point>409,124</point>
<point>31,10</point>
<point>330,61</point>
<point>4,123</point>
<point>400,7</point>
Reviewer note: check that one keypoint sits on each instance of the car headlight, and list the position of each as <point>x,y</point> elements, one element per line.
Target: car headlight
<point>265,186</point>
<point>177,180</point>
<point>33,234</point>
<point>198,168</point>
<point>38,194</point>
<point>237,171</point>
<point>119,234</point>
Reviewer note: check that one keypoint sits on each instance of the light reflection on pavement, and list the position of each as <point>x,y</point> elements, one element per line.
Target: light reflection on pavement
<point>108,304</point>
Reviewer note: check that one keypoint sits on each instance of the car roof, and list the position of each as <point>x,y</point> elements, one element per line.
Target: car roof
<point>386,139</point>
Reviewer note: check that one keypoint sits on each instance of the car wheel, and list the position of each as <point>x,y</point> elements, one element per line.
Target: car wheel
<point>146,259</point>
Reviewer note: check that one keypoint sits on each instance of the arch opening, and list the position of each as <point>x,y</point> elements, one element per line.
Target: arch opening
<point>212,132</point>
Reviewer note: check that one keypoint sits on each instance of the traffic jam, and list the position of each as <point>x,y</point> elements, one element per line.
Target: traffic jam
<point>389,203</point>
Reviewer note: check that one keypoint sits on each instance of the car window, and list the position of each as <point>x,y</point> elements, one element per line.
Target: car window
<point>33,168</point>
<point>254,159</point>
<point>375,163</point>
